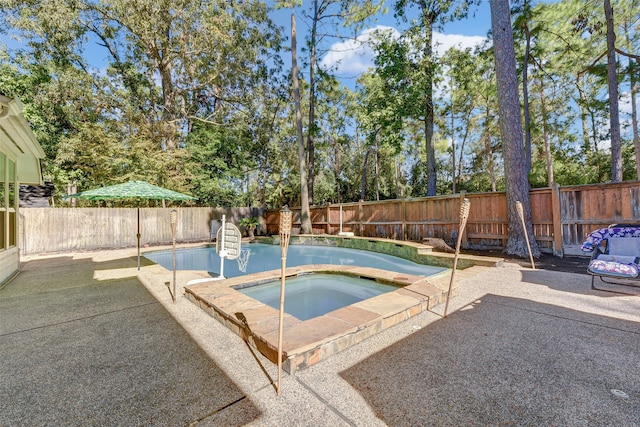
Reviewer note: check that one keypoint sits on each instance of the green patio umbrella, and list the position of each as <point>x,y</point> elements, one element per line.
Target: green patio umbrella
<point>132,190</point>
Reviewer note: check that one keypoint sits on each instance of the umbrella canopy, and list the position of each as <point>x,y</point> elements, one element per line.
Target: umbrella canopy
<point>132,190</point>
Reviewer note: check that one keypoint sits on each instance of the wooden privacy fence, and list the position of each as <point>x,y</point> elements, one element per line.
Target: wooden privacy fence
<point>562,216</point>
<point>68,229</point>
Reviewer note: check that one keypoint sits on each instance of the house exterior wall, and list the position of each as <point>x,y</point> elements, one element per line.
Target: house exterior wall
<point>20,156</point>
<point>9,263</point>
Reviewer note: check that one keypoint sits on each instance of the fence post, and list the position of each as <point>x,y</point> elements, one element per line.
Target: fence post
<point>360,215</point>
<point>556,217</point>
<point>404,219</point>
<point>327,227</point>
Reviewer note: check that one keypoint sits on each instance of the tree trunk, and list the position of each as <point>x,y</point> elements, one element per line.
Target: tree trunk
<point>584,114</point>
<point>545,134</point>
<point>168,128</point>
<point>311,150</point>
<point>377,170</point>
<point>463,144</point>
<point>453,148</point>
<point>614,115</point>
<point>432,174</point>
<point>396,177</point>
<point>517,184</point>
<point>364,175</point>
<point>489,148</point>
<point>305,213</point>
<point>634,110</point>
<point>525,101</point>
<point>337,166</point>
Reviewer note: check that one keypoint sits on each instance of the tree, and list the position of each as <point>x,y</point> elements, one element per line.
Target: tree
<point>305,213</point>
<point>168,65</point>
<point>523,23</point>
<point>326,13</point>
<point>597,26</point>
<point>485,94</point>
<point>634,67</point>
<point>377,112</point>
<point>431,12</point>
<point>336,125</point>
<point>612,79</point>
<point>517,185</point>
<point>462,69</point>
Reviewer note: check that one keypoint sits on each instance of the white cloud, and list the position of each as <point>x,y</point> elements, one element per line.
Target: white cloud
<point>445,42</point>
<point>354,56</point>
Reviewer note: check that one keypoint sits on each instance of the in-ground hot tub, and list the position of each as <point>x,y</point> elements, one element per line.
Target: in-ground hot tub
<point>312,295</point>
<point>308,341</point>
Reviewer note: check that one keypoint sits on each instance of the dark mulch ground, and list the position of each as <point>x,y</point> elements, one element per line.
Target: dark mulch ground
<point>568,264</point>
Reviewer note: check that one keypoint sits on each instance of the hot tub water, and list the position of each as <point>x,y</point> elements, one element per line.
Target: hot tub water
<point>313,295</point>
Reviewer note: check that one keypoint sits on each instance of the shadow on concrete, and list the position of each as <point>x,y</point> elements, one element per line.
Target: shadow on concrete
<point>507,361</point>
<point>77,350</point>
<point>576,283</point>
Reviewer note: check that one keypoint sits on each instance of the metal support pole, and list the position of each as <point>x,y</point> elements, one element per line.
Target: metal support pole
<point>138,237</point>
<point>223,252</point>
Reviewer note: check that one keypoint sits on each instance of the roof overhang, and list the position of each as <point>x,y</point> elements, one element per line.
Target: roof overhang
<point>17,138</point>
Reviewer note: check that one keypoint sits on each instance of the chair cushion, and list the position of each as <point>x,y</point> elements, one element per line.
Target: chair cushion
<point>595,237</point>
<point>623,259</point>
<point>602,267</point>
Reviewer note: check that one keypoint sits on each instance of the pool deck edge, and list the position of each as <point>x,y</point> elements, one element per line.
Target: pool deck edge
<point>306,343</point>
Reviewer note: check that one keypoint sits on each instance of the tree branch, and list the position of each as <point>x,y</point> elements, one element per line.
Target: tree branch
<point>629,55</point>
<point>593,64</point>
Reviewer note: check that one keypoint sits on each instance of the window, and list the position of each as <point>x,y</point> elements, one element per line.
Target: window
<point>12,199</point>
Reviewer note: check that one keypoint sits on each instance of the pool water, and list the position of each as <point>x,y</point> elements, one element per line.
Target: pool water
<point>264,257</point>
<point>313,295</point>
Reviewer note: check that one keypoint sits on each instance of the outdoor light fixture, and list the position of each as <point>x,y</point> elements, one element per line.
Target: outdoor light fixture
<point>285,233</point>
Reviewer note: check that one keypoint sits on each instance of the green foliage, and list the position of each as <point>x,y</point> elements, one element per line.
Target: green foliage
<point>249,222</point>
<point>193,95</point>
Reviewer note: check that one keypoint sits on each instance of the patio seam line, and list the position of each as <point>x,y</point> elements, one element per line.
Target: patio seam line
<point>324,401</point>
<point>78,319</point>
<point>568,318</point>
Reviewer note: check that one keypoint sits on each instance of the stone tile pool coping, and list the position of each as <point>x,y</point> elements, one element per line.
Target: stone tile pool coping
<point>306,343</point>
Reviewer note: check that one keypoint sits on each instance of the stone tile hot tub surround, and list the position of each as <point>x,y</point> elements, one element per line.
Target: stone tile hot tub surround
<point>308,342</point>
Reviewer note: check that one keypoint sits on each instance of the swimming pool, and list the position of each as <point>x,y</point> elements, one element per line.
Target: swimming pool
<point>307,342</point>
<point>264,257</point>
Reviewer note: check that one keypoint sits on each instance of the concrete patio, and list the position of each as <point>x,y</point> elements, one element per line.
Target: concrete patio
<point>86,339</point>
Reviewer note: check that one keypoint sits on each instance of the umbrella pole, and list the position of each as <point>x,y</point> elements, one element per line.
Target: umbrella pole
<point>174,220</point>
<point>138,236</point>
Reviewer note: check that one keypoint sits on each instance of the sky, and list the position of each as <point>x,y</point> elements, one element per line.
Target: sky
<point>350,58</point>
